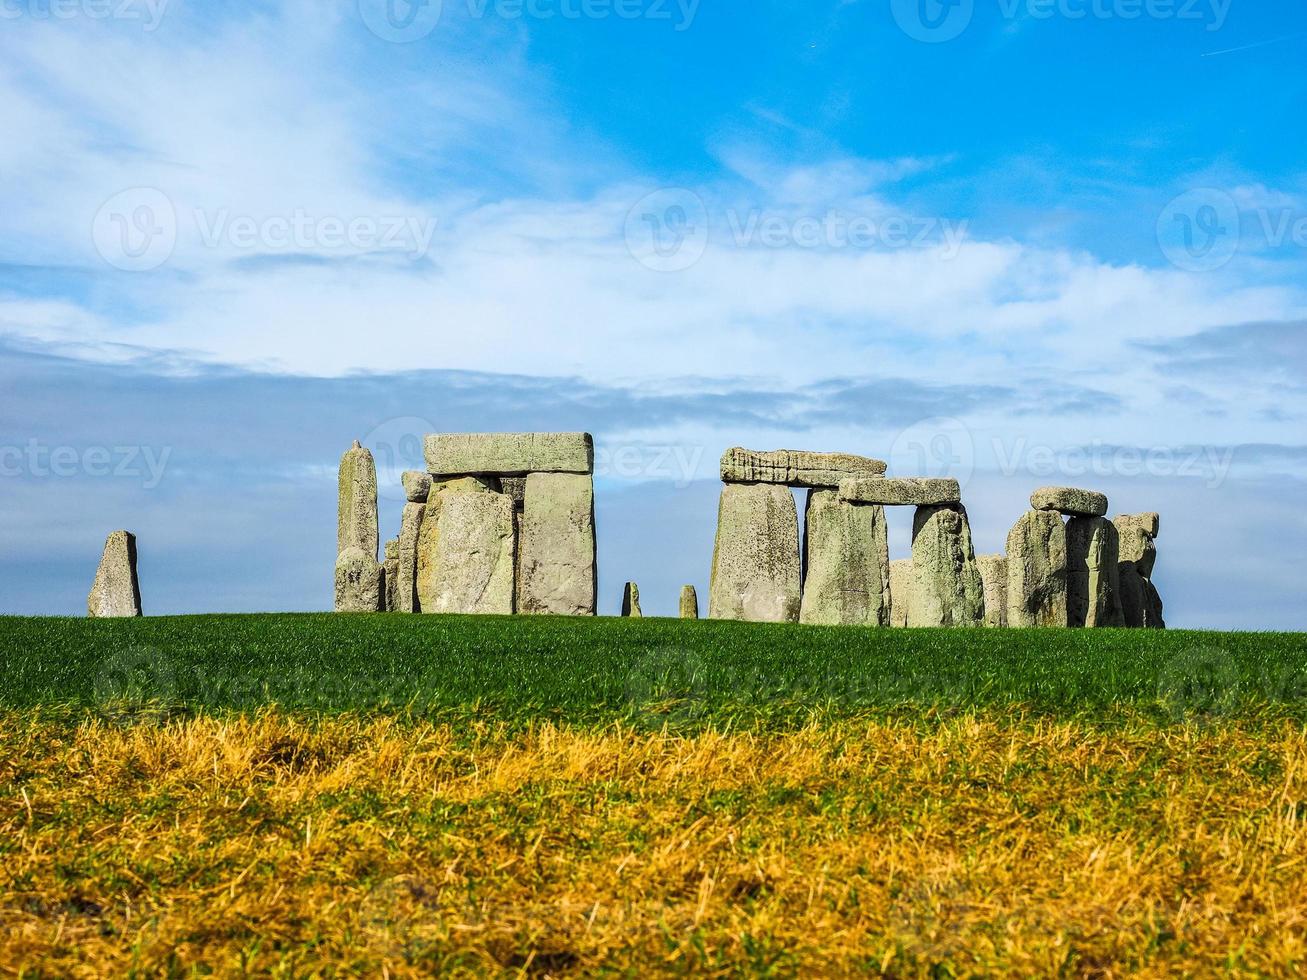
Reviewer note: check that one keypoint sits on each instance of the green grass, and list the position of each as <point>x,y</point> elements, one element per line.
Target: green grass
<point>655,671</point>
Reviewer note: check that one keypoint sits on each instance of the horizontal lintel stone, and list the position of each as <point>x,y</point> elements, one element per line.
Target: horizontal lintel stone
<point>794,468</point>
<point>1069,500</point>
<point>509,453</point>
<point>901,492</point>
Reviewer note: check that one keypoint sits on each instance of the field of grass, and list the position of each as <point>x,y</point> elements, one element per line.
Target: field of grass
<point>406,796</point>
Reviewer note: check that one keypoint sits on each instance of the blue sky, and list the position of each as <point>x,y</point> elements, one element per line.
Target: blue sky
<point>1018,241</point>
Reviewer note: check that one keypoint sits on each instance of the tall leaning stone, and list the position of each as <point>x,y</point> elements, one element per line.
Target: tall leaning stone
<point>406,582</point>
<point>631,601</point>
<point>474,562</point>
<point>116,592</point>
<point>356,515</point>
<point>900,591</point>
<point>755,572</point>
<point>1037,570</point>
<point>993,576</point>
<point>1141,604</point>
<point>946,585</point>
<point>558,572</point>
<point>689,602</point>
<point>845,563</point>
<point>428,538</point>
<point>1093,576</point>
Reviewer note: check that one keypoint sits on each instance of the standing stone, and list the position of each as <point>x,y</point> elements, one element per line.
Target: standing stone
<point>428,542</point>
<point>356,516</point>
<point>406,584</point>
<point>116,592</point>
<point>1141,604</point>
<point>559,570</point>
<point>1037,570</point>
<point>900,591</point>
<point>845,563</point>
<point>946,586</point>
<point>993,576</point>
<point>391,565</point>
<point>755,571</point>
<point>1093,575</point>
<point>360,582</point>
<point>689,602</point>
<point>474,562</point>
<point>631,601</point>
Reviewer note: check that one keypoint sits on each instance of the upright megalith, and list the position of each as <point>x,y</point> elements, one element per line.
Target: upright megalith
<point>900,591</point>
<point>116,592</point>
<point>360,582</point>
<point>1093,574</point>
<point>356,521</point>
<point>946,586</point>
<point>473,570</point>
<point>755,572</point>
<point>406,584</point>
<point>1037,570</point>
<point>794,468</point>
<point>1141,604</point>
<point>993,576</point>
<point>360,578</point>
<point>558,570</point>
<point>631,601</point>
<point>391,566</point>
<point>845,562</point>
<point>689,602</point>
<point>429,558</point>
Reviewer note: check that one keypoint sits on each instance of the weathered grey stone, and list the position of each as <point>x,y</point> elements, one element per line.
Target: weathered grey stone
<point>474,565</point>
<point>428,542</point>
<point>900,591</point>
<point>116,592</point>
<point>417,486</point>
<point>1136,545</point>
<point>755,570</point>
<point>391,566</point>
<point>406,584</point>
<point>1037,570</point>
<point>1149,522</point>
<point>631,600</point>
<point>356,516</point>
<point>515,487</point>
<point>845,563</point>
<point>901,492</point>
<point>993,576</point>
<point>689,602</point>
<point>1093,577</point>
<point>558,564</point>
<point>360,582</point>
<point>946,585</point>
<point>1152,607</point>
<point>795,468</point>
<point>1069,500</point>
<point>509,453</point>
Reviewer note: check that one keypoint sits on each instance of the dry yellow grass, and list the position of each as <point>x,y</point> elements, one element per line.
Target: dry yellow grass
<point>980,845</point>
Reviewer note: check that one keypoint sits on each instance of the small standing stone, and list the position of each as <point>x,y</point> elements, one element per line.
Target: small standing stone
<point>946,585</point>
<point>356,520</point>
<point>755,572</point>
<point>1037,570</point>
<point>900,591</point>
<point>360,582</point>
<point>631,601</point>
<point>1093,573</point>
<point>116,593</point>
<point>993,575</point>
<point>689,602</point>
